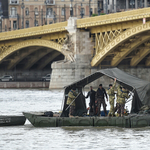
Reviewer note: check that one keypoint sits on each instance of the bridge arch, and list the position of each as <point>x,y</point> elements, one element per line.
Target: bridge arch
<point>98,58</point>
<point>28,43</point>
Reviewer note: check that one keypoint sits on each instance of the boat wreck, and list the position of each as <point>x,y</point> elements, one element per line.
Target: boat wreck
<point>141,97</point>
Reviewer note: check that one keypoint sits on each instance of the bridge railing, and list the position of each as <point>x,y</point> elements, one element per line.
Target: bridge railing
<point>57,27</point>
<point>112,18</point>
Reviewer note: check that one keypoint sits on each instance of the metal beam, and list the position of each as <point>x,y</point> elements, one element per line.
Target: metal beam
<point>38,55</point>
<point>121,55</point>
<point>45,62</point>
<point>24,54</point>
<point>34,31</point>
<point>114,18</point>
<point>140,55</point>
<point>30,43</point>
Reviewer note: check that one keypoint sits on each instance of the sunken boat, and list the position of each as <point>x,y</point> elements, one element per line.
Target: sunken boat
<point>141,97</point>
<point>12,120</point>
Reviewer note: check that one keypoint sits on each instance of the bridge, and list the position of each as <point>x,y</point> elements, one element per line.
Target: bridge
<point>119,39</point>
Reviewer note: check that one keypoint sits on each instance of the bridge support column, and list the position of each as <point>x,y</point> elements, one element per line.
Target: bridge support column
<point>66,72</point>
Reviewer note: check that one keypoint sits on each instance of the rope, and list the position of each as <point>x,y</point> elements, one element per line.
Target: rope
<point>72,102</point>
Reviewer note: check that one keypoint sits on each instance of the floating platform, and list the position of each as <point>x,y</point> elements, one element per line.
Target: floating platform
<point>131,121</point>
<point>12,120</point>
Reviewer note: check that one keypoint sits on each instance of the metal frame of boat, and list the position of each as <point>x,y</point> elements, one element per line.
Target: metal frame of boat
<point>131,121</point>
<point>139,87</point>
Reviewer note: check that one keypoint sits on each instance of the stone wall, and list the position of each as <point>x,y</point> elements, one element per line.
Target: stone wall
<point>27,75</point>
<point>71,75</point>
<point>62,74</point>
<point>24,84</point>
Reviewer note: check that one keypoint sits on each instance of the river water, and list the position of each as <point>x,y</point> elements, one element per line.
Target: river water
<point>27,137</point>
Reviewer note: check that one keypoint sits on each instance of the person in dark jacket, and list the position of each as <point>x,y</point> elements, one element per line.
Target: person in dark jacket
<point>100,99</point>
<point>91,94</point>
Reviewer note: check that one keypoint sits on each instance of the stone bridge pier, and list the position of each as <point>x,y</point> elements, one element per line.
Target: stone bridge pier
<point>77,63</point>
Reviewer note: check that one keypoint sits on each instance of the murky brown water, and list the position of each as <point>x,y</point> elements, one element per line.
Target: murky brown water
<point>27,137</point>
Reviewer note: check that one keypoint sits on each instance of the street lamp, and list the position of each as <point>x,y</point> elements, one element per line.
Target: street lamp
<point>42,17</point>
<point>1,16</point>
<point>1,25</point>
<point>81,11</point>
<point>98,8</point>
<point>46,11</point>
<point>132,3</point>
<point>54,17</point>
<point>89,8</point>
<point>64,12</point>
<point>18,20</point>
<point>35,21</point>
<point>71,9</point>
<point>106,6</point>
<point>22,6</point>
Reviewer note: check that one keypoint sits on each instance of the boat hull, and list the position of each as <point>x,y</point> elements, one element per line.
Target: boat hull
<point>127,121</point>
<point>12,120</point>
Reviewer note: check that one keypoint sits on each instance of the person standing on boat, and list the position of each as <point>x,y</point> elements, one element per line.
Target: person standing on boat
<point>100,99</point>
<point>111,98</point>
<point>91,94</point>
<point>71,101</point>
<point>122,94</point>
<point>118,106</point>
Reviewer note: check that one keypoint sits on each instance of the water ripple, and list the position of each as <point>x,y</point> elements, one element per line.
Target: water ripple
<point>15,101</point>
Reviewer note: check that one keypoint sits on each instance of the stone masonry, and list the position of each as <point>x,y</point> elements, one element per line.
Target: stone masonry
<point>67,72</point>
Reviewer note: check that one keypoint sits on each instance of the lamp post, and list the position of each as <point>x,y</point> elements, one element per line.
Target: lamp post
<point>106,6</point>
<point>1,12</point>
<point>18,20</point>
<point>35,14</point>
<point>54,17</point>
<point>89,8</point>
<point>71,10</point>
<point>98,8</point>
<point>46,11</point>
<point>81,11</point>
<point>34,19</point>
<point>22,6</point>
<point>1,16</point>
<point>64,12</point>
<point>1,25</point>
<point>132,3</point>
<point>42,17</point>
